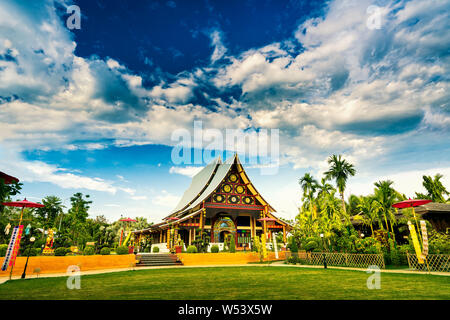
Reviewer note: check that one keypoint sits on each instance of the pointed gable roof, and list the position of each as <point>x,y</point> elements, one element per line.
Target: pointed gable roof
<point>208,180</point>
<point>198,184</point>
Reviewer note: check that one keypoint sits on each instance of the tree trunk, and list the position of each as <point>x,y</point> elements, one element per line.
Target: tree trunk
<point>343,202</point>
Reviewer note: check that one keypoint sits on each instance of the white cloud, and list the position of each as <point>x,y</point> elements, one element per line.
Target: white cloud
<point>186,171</point>
<point>166,199</point>
<point>219,48</point>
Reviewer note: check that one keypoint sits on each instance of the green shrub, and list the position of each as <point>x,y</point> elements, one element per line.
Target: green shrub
<point>105,251</point>
<point>232,244</point>
<point>192,249</point>
<point>30,251</point>
<point>37,251</point>
<point>3,248</point>
<point>88,251</point>
<point>292,245</point>
<point>60,251</point>
<point>155,249</point>
<point>311,245</point>
<point>122,250</point>
<point>292,260</point>
<point>215,248</point>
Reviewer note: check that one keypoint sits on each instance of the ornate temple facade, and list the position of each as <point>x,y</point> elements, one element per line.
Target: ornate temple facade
<point>221,201</point>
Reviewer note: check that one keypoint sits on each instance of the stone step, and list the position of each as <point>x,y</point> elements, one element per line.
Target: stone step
<point>152,259</point>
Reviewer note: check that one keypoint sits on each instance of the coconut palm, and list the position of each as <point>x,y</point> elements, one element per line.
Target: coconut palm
<point>340,170</point>
<point>369,209</point>
<point>324,188</point>
<point>330,207</point>
<point>309,185</point>
<point>386,196</point>
<point>435,188</point>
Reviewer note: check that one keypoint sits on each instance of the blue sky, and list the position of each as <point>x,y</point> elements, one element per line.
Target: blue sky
<point>93,110</point>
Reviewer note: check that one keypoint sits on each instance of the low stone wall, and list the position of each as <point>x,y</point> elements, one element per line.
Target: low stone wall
<point>52,264</point>
<point>224,258</point>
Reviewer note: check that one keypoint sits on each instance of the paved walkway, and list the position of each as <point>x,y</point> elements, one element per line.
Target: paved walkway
<point>274,264</point>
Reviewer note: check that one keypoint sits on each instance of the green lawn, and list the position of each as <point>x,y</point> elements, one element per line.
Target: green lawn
<point>258,282</point>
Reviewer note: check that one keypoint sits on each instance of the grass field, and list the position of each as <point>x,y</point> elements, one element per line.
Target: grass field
<point>258,282</point>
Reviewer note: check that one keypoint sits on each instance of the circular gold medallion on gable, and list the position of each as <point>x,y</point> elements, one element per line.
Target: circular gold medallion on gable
<point>233,178</point>
<point>226,188</point>
<point>233,199</point>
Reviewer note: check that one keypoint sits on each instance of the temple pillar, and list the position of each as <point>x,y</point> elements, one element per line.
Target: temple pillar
<point>168,238</point>
<point>160,236</point>
<point>190,237</point>
<point>284,234</point>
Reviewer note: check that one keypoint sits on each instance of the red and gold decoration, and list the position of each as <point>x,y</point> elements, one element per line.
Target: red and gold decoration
<point>48,249</point>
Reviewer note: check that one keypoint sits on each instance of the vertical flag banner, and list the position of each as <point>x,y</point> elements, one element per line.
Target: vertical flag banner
<point>11,247</point>
<point>15,252</point>
<point>415,240</point>
<point>423,227</point>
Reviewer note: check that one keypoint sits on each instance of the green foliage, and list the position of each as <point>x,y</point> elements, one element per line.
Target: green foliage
<point>292,244</point>
<point>215,248</point>
<point>439,243</point>
<point>122,250</point>
<point>292,260</point>
<point>3,248</point>
<point>367,245</point>
<point>232,245</point>
<point>435,189</point>
<point>105,251</point>
<point>61,251</point>
<point>155,249</point>
<point>311,245</point>
<point>192,249</point>
<point>88,251</point>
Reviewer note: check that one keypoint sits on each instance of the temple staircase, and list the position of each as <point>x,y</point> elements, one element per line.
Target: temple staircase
<point>157,259</point>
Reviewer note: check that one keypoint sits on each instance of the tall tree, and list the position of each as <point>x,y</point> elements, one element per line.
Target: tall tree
<point>369,208</point>
<point>52,208</point>
<point>78,213</point>
<point>324,188</point>
<point>7,191</point>
<point>309,185</point>
<point>386,196</point>
<point>435,188</point>
<point>340,170</point>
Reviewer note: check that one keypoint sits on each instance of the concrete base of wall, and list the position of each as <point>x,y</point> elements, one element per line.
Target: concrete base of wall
<point>52,264</point>
<point>224,258</point>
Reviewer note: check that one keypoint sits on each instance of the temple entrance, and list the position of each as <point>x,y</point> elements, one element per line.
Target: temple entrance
<point>223,235</point>
<point>223,226</point>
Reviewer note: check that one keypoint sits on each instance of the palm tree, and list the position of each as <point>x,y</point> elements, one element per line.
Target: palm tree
<point>369,209</point>
<point>435,188</point>
<point>386,196</point>
<point>324,188</point>
<point>340,170</point>
<point>330,207</point>
<point>309,185</point>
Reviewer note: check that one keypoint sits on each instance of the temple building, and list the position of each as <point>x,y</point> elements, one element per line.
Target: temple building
<point>220,201</point>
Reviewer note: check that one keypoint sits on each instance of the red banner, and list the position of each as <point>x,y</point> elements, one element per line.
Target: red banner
<point>16,247</point>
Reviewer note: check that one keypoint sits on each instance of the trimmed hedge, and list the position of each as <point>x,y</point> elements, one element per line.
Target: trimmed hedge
<point>88,251</point>
<point>122,250</point>
<point>60,251</point>
<point>3,248</point>
<point>215,248</point>
<point>192,249</point>
<point>155,249</point>
<point>105,251</point>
